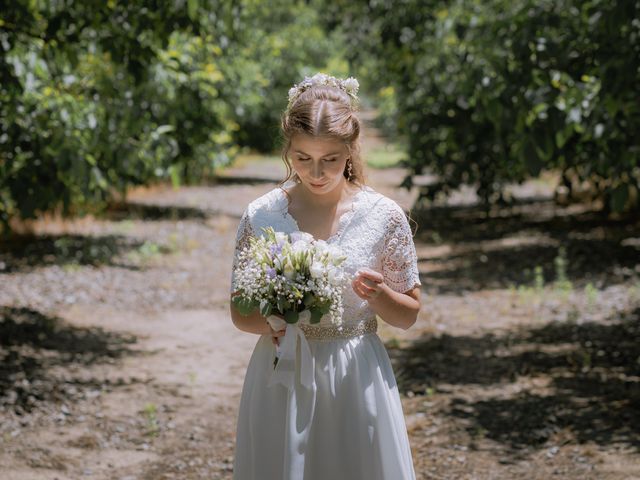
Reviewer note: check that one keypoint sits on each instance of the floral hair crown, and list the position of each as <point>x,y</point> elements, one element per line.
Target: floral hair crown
<point>349,85</point>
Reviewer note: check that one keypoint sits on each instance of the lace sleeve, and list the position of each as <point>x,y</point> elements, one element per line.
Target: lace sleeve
<point>399,259</point>
<point>245,231</point>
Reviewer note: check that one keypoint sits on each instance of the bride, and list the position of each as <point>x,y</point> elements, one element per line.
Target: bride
<point>338,415</point>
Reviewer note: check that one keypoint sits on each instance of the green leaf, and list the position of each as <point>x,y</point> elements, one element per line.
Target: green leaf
<point>265,308</point>
<point>280,304</point>
<point>290,316</point>
<point>316,315</point>
<point>244,305</point>
<point>619,197</point>
<point>192,7</point>
<point>308,299</point>
<point>174,173</point>
<point>531,158</point>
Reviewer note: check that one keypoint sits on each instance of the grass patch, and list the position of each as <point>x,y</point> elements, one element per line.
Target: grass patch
<point>150,412</point>
<point>385,156</point>
<point>248,158</point>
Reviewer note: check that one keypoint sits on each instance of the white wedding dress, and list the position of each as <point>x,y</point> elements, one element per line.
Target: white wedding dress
<point>341,417</point>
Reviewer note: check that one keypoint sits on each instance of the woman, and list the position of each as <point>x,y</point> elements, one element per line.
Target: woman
<point>339,415</point>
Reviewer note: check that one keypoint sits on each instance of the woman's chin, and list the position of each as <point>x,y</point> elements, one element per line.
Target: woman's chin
<point>318,187</point>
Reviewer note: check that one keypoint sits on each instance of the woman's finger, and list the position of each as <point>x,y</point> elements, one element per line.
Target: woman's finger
<point>367,286</point>
<point>360,292</point>
<point>368,290</point>
<point>369,283</point>
<point>371,275</point>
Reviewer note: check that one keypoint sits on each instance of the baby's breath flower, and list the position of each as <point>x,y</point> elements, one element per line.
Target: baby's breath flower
<point>349,85</point>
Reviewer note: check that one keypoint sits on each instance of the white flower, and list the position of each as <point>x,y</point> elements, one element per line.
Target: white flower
<point>335,254</point>
<point>308,267</point>
<point>335,276</point>
<point>351,86</point>
<point>321,246</point>
<point>299,246</point>
<point>316,269</point>
<point>299,235</point>
<point>281,238</point>
<point>289,271</point>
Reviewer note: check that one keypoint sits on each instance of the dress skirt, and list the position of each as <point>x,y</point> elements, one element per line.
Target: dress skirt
<point>349,426</point>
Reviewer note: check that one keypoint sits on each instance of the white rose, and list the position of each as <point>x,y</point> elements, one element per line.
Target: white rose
<point>301,236</point>
<point>299,246</point>
<point>335,255</point>
<point>316,269</point>
<point>321,246</point>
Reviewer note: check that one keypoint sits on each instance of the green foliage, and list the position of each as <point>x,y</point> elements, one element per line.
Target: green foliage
<point>562,282</point>
<point>150,412</point>
<point>98,96</point>
<point>493,92</point>
<point>283,41</point>
<point>538,278</point>
<point>245,305</point>
<point>385,156</point>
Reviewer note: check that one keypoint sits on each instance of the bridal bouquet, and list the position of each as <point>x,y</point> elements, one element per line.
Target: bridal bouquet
<point>293,275</point>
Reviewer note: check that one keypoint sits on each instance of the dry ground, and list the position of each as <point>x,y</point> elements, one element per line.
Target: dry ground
<point>119,360</point>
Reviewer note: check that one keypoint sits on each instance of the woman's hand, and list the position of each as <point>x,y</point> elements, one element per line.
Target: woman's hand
<point>395,308</point>
<point>279,329</point>
<point>367,283</point>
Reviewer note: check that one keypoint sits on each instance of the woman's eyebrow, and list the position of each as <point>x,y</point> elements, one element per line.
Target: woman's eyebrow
<point>327,155</point>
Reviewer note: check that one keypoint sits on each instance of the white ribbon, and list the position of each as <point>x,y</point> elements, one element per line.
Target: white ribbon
<point>287,352</point>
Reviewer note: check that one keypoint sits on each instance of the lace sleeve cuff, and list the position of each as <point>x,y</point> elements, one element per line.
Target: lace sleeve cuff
<point>399,259</point>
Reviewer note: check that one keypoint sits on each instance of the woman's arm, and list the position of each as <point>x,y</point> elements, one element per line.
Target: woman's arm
<point>255,323</point>
<point>252,323</point>
<point>395,308</point>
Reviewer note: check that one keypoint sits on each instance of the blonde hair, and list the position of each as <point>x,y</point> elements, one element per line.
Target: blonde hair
<point>325,112</point>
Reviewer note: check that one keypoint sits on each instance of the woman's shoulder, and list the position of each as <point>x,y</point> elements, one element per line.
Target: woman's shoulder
<point>380,202</point>
<point>266,202</point>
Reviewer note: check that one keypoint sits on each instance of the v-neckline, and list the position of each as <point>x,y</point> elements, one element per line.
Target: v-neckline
<point>342,221</point>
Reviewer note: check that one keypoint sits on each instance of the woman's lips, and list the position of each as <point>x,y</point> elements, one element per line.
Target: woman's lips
<point>318,184</point>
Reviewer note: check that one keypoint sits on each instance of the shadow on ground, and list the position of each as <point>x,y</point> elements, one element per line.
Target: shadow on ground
<point>591,372</point>
<point>31,344</point>
<point>141,211</point>
<point>22,253</point>
<point>504,248</point>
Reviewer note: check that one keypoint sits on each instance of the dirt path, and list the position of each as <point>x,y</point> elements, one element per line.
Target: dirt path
<point>119,360</point>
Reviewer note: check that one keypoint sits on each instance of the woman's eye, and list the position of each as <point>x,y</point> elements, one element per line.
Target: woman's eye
<point>302,159</point>
<point>330,159</point>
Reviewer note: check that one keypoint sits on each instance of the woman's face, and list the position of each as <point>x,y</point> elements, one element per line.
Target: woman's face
<point>319,162</point>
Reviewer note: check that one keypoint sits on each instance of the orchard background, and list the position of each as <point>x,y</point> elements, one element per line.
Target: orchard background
<point>132,135</point>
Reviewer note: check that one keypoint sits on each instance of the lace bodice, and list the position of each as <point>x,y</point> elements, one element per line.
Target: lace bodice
<point>375,233</point>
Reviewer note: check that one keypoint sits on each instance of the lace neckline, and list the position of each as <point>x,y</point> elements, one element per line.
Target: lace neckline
<point>343,221</point>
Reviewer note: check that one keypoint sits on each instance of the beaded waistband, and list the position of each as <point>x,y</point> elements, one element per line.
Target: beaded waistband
<point>332,332</point>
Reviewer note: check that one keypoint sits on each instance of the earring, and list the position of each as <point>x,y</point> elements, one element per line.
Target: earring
<point>349,170</point>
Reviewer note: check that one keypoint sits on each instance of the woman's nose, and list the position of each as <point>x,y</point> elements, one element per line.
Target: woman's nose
<point>317,170</point>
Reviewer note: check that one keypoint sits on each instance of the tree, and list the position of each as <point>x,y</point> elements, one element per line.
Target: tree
<point>493,92</point>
